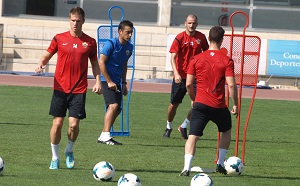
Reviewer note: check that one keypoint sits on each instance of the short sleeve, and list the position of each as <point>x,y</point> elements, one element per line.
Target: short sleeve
<point>230,68</point>
<point>53,48</point>
<point>93,53</point>
<point>107,49</point>
<point>175,45</point>
<point>191,69</point>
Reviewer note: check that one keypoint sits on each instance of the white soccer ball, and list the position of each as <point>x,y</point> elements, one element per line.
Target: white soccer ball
<point>202,179</point>
<point>234,165</point>
<point>2,166</point>
<point>129,179</point>
<point>103,171</point>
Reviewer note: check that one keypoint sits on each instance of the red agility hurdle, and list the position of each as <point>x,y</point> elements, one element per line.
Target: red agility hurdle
<point>245,52</point>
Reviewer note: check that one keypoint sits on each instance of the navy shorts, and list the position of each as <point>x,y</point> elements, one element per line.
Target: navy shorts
<point>178,91</point>
<point>202,114</point>
<point>61,102</point>
<point>111,96</point>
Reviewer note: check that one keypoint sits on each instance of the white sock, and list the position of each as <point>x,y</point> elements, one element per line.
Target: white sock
<point>69,147</point>
<point>222,155</point>
<point>185,123</point>
<point>169,125</point>
<point>54,149</point>
<point>188,161</point>
<point>105,136</point>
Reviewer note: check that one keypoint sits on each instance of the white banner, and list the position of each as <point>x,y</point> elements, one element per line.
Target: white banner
<point>170,40</point>
<point>263,57</point>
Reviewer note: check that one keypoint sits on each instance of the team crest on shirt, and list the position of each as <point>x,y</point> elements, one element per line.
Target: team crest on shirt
<point>198,41</point>
<point>85,44</point>
<point>127,52</point>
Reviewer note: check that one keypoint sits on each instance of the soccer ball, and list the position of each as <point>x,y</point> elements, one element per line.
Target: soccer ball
<point>103,171</point>
<point>201,179</point>
<point>129,179</point>
<point>234,165</point>
<point>2,167</point>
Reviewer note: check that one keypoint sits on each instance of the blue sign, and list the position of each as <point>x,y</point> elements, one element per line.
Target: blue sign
<point>283,58</point>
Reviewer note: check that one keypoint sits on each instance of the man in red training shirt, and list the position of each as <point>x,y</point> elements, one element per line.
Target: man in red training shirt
<point>185,45</point>
<point>73,49</point>
<point>211,69</point>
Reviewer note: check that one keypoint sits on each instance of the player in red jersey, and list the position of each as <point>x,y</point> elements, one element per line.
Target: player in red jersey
<point>74,48</point>
<point>211,69</point>
<point>185,45</point>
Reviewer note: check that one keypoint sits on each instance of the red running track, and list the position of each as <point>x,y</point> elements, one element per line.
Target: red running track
<point>138,86</point>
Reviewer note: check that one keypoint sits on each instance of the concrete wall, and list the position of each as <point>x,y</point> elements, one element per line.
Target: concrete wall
<point>25,40</point>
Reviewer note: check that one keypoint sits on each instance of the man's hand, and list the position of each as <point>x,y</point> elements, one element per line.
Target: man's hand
<point>234,110</point>
<point>111,85</point>
<point>177,78</point>
<point>97,89</point>
<point>39,69</point>
<point>124,90</point>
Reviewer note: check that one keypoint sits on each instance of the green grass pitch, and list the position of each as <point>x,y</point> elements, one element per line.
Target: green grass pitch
<point>272,150</point>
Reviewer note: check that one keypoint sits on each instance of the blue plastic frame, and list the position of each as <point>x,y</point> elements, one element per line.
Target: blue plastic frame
<point>113,32</point>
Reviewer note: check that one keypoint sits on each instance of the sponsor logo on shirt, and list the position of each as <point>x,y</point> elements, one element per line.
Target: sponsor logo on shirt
<point>127,52</point>
<point>64,44</point>
<point>85,44</point>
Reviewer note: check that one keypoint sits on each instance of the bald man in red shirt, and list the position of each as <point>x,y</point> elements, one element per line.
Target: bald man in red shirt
<point>185,45</point>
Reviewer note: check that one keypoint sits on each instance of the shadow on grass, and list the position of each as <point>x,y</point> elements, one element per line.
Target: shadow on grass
<point>9,175</point>
<point>181,146</point>
<point>124,170</point>
<point>150,171</point>
<point>261,141</point>
<point>178,172</point>
<point>7,123</point>
<point>248,140</point>
<point>272,177</point>
<point>158,145</point>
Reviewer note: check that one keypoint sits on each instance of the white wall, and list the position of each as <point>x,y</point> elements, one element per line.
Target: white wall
<point>151,43</point>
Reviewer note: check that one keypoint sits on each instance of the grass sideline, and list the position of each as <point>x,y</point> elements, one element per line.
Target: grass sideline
<point>271,153</point>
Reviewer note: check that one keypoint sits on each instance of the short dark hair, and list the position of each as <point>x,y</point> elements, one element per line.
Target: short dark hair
<point>193,16</point>
<point>216,34</point>
<point>78,11</point>
<point>125,23</point>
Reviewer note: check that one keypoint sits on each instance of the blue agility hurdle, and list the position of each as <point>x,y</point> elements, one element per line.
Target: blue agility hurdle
<point>104,33</point>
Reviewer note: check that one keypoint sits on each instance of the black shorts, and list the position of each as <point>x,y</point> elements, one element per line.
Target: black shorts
<point>111,96</point>
<point>178,91</point>
<point>202,114</point>
<point>61,101</point>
